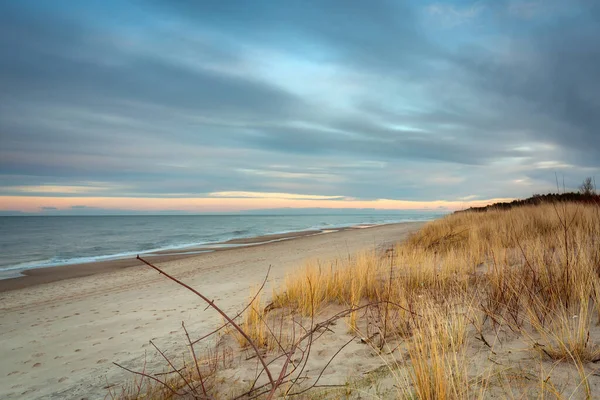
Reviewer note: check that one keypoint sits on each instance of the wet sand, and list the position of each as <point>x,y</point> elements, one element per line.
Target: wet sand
<point>37,276</point>
<point>61,331</point>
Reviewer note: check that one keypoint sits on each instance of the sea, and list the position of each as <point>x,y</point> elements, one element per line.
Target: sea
<point>43,241</point>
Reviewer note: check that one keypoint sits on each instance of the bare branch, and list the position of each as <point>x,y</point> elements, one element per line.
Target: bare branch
<point>145,375</point>
<point>239,313</point>
<point>216,308</point>
<point>195,359</point>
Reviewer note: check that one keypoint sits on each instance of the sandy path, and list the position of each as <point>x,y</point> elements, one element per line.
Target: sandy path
<point>58,340</point>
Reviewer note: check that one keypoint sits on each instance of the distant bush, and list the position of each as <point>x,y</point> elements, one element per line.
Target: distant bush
<point>588,187</point>
<point>537,199</point>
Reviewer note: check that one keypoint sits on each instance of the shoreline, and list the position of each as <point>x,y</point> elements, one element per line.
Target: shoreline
<point>43,275</point>
<point>23,268</point>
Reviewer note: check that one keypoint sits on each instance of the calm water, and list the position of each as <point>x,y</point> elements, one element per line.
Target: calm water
<point>32,242</point>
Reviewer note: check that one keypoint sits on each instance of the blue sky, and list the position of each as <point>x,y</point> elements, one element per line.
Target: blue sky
<point>351,101</point>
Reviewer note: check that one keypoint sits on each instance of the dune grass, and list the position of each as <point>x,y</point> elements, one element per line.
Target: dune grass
<point>533,270</point>
<point>438,363</point>
<point>530,274</point>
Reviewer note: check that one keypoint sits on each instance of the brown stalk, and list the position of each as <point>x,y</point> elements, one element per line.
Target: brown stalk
<point>239,313</point>
<point>223,314</point>
<point>195,359</point>
<point>323,369</point>
<point>309,345</point>
<point>178,371</point>
<point>145,375</point>
<point>308,334</point>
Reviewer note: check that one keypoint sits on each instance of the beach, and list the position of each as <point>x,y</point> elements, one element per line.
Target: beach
<point>62,327</point>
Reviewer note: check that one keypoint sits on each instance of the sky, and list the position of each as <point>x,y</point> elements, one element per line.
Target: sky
<point>219,106</point>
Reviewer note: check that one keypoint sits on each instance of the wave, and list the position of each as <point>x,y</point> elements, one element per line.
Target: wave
<point>240,232</point>
<point>57,261</point>
<point>190,239</point>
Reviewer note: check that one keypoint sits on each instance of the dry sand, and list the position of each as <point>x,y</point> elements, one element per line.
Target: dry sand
<point>62,328</point>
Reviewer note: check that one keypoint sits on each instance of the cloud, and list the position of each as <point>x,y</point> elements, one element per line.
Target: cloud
<point>398,100</point>
<point>529,9</point>
<point>139,78</point>
<point>48,189</point>
<point>289,174</point>
<point>452,16</point>
<point>358,36</point>
<point>282,196</point>
<point>104,205</point>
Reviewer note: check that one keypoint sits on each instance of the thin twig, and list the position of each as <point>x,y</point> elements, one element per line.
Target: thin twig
<point>239,313</point>
<point>216,308</point>
<point>174,369</point>
<point>145,375</point>
<point>195,359</point>
<point>324,368</point>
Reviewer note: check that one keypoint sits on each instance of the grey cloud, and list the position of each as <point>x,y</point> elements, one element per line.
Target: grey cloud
<point>127,118</point>
<point>62,62</point>
<point>555,91</point>
<point>81,104</point>
<point>384,35</point>
<point>371,141</point>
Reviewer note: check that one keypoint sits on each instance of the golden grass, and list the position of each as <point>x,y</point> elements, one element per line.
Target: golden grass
<point>252,321</point>
<point>342,281</point>
<point>567,334</point>
<point>437,360</point>
<point>532,272</point>
<point>267,330</point>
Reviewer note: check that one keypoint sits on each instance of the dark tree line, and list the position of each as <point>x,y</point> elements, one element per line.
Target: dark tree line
<point>587,194</point>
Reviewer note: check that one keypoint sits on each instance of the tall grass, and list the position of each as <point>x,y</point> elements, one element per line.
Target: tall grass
<point>532,272</point>
<point>341,281</point>
<point>437,358</point>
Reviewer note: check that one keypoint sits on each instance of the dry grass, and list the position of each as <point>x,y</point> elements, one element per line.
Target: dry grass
<point>534,271</point>
<point>268,330</point>
<point>199,372</point>
<point>567,335</point>
<point>437,360</point>
<point>530,274</point>
<point>342,281</point>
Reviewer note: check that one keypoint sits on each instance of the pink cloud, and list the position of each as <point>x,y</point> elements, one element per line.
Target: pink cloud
<point>222,204</point>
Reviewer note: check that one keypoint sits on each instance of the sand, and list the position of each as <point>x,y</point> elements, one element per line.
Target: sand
<point>61,328</point>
